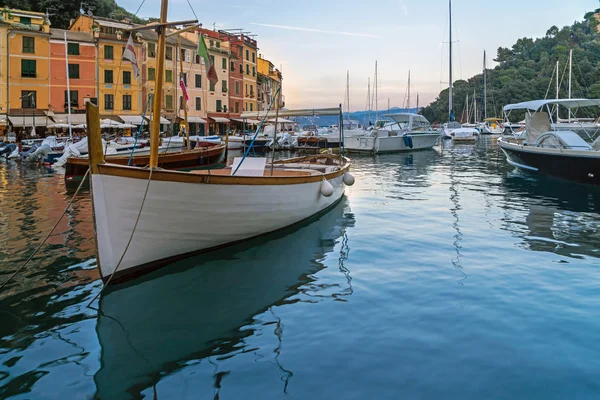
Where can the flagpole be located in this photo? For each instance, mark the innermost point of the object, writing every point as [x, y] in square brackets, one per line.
[184, 94]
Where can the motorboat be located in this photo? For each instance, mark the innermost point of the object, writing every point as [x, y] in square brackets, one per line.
[492, 126]
[543, 149]
[404, 132]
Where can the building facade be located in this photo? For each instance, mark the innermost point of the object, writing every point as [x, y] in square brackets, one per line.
[269, 81]
[236, 76]
[250, 74]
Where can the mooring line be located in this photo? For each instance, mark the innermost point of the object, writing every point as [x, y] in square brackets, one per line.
[49, 233]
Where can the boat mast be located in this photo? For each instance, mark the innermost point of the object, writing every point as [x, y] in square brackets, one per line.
[451, 117]
[484, 88]
[474, 107]
[184, 95]
[467, 108]
[570, 75]
[376, 94]
[348, 93]
[417, 102]
[408, 91]
[160, 70]
[68, 88]
[557, 90]
[388, 105]
[369, 100]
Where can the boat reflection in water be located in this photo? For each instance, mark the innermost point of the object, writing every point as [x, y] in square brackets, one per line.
[562, 216]
[152, 326]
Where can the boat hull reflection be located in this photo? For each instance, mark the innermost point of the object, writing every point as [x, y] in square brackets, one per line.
[195, 308]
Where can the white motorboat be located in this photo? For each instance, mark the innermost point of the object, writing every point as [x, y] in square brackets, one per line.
[545, 150]
[412, 132]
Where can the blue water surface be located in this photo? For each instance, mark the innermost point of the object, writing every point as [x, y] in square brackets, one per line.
[442, 274]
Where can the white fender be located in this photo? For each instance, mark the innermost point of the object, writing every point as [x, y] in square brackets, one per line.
[326, 188]
[348, 179]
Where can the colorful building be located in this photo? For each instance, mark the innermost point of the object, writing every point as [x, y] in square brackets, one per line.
[80, 51]
[26, 70]
[196, 83]
[236, 75]
[269, 81]
[117, 87]
[250, 73]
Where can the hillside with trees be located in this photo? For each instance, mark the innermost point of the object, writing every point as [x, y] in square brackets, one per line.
[525, 70]
[62, 11]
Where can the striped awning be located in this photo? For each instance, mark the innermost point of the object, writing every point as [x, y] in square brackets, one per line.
[163, 120]
[76, 119]
[19, 121]
[220, 120]
[196, 120]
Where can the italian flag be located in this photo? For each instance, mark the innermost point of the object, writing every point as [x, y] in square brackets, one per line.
[203, 52]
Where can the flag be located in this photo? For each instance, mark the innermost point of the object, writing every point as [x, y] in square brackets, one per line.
[183, 89]
[129, 54]
[203, 52]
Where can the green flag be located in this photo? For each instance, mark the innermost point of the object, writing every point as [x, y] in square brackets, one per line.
[203, 52]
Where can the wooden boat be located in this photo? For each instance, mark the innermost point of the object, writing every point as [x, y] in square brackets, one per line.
[205, 155]
[172, 321]
[543, 149]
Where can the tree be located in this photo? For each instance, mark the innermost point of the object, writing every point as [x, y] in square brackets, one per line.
[552, 32]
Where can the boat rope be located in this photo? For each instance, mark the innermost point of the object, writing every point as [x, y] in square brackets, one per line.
[128, 242]
[257, 131]
[49, 233]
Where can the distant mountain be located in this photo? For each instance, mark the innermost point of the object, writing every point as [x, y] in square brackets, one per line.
[363, 117]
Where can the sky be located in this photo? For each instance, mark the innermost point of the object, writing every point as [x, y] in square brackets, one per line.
[314, 42]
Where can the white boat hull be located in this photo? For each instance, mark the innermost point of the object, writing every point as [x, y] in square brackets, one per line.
[180, 218]
[390, 144]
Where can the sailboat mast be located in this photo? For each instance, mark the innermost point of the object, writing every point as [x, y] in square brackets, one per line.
[484, 87]
[68, 87]
[376, 95]
[348, 93]
[570, 75]
[369, 98]
[388, 105]
[557, 90]
[474, 107]
[417, 102]
[467, 109]
[408, 90]
[450, 61]
[160, 70]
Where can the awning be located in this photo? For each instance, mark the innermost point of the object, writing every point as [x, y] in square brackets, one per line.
[537, 104]
[196, 120]
[163, 120]
[281, 121]
[76, 119]
[246, 121]
[18, 121]
[133, 119]
[220, 120]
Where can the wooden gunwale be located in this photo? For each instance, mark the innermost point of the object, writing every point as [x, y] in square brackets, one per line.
[186, 177]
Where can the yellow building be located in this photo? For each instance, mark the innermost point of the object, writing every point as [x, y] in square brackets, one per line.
[269, 80]
[250, 73]
[25, 74]
[119, 89]
[3, 76]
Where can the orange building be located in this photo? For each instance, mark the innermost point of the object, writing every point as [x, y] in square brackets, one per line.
[81, 52]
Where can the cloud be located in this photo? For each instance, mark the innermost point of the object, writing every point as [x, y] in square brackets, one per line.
[403, 7]
[296, 28]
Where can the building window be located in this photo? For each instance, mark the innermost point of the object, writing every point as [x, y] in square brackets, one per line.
[218, 44]
[237, 87]
[251, 107]
[232, 66]
[224, 63]
[198, 104]
[254, 57]
[73, 49]
[247, 58]
[198, 82]
[253, 71]
[126, 102]
[212, 60]
[152, 50]
[219, 106]
[109, 101]
[25, 20]
[237, 107]
[241, 69]
[224, 86]
[169, 53]
[211, 43]
[197, 59]
[185, 79]
[74, 98]
[28, 98]
[73, 71]
[247, 69]
[169, 75]
[108, 52]
[212, 87]
[246, 88]
[251, 91]
[108, 76]
[28, 44]
[169, 102]
[151, 74]
[28, 69]
[181, 102]
[126, 77]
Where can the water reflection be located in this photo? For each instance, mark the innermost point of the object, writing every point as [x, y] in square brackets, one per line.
[195, 309]
[561, 216]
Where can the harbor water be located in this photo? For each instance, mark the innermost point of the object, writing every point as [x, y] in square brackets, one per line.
[441, 274]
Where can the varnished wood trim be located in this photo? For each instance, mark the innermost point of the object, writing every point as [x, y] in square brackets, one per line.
[95, 154]
[186, 177]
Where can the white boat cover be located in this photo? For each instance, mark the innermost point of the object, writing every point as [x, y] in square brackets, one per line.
[537, 124]
[252, 166]
[537, 104]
